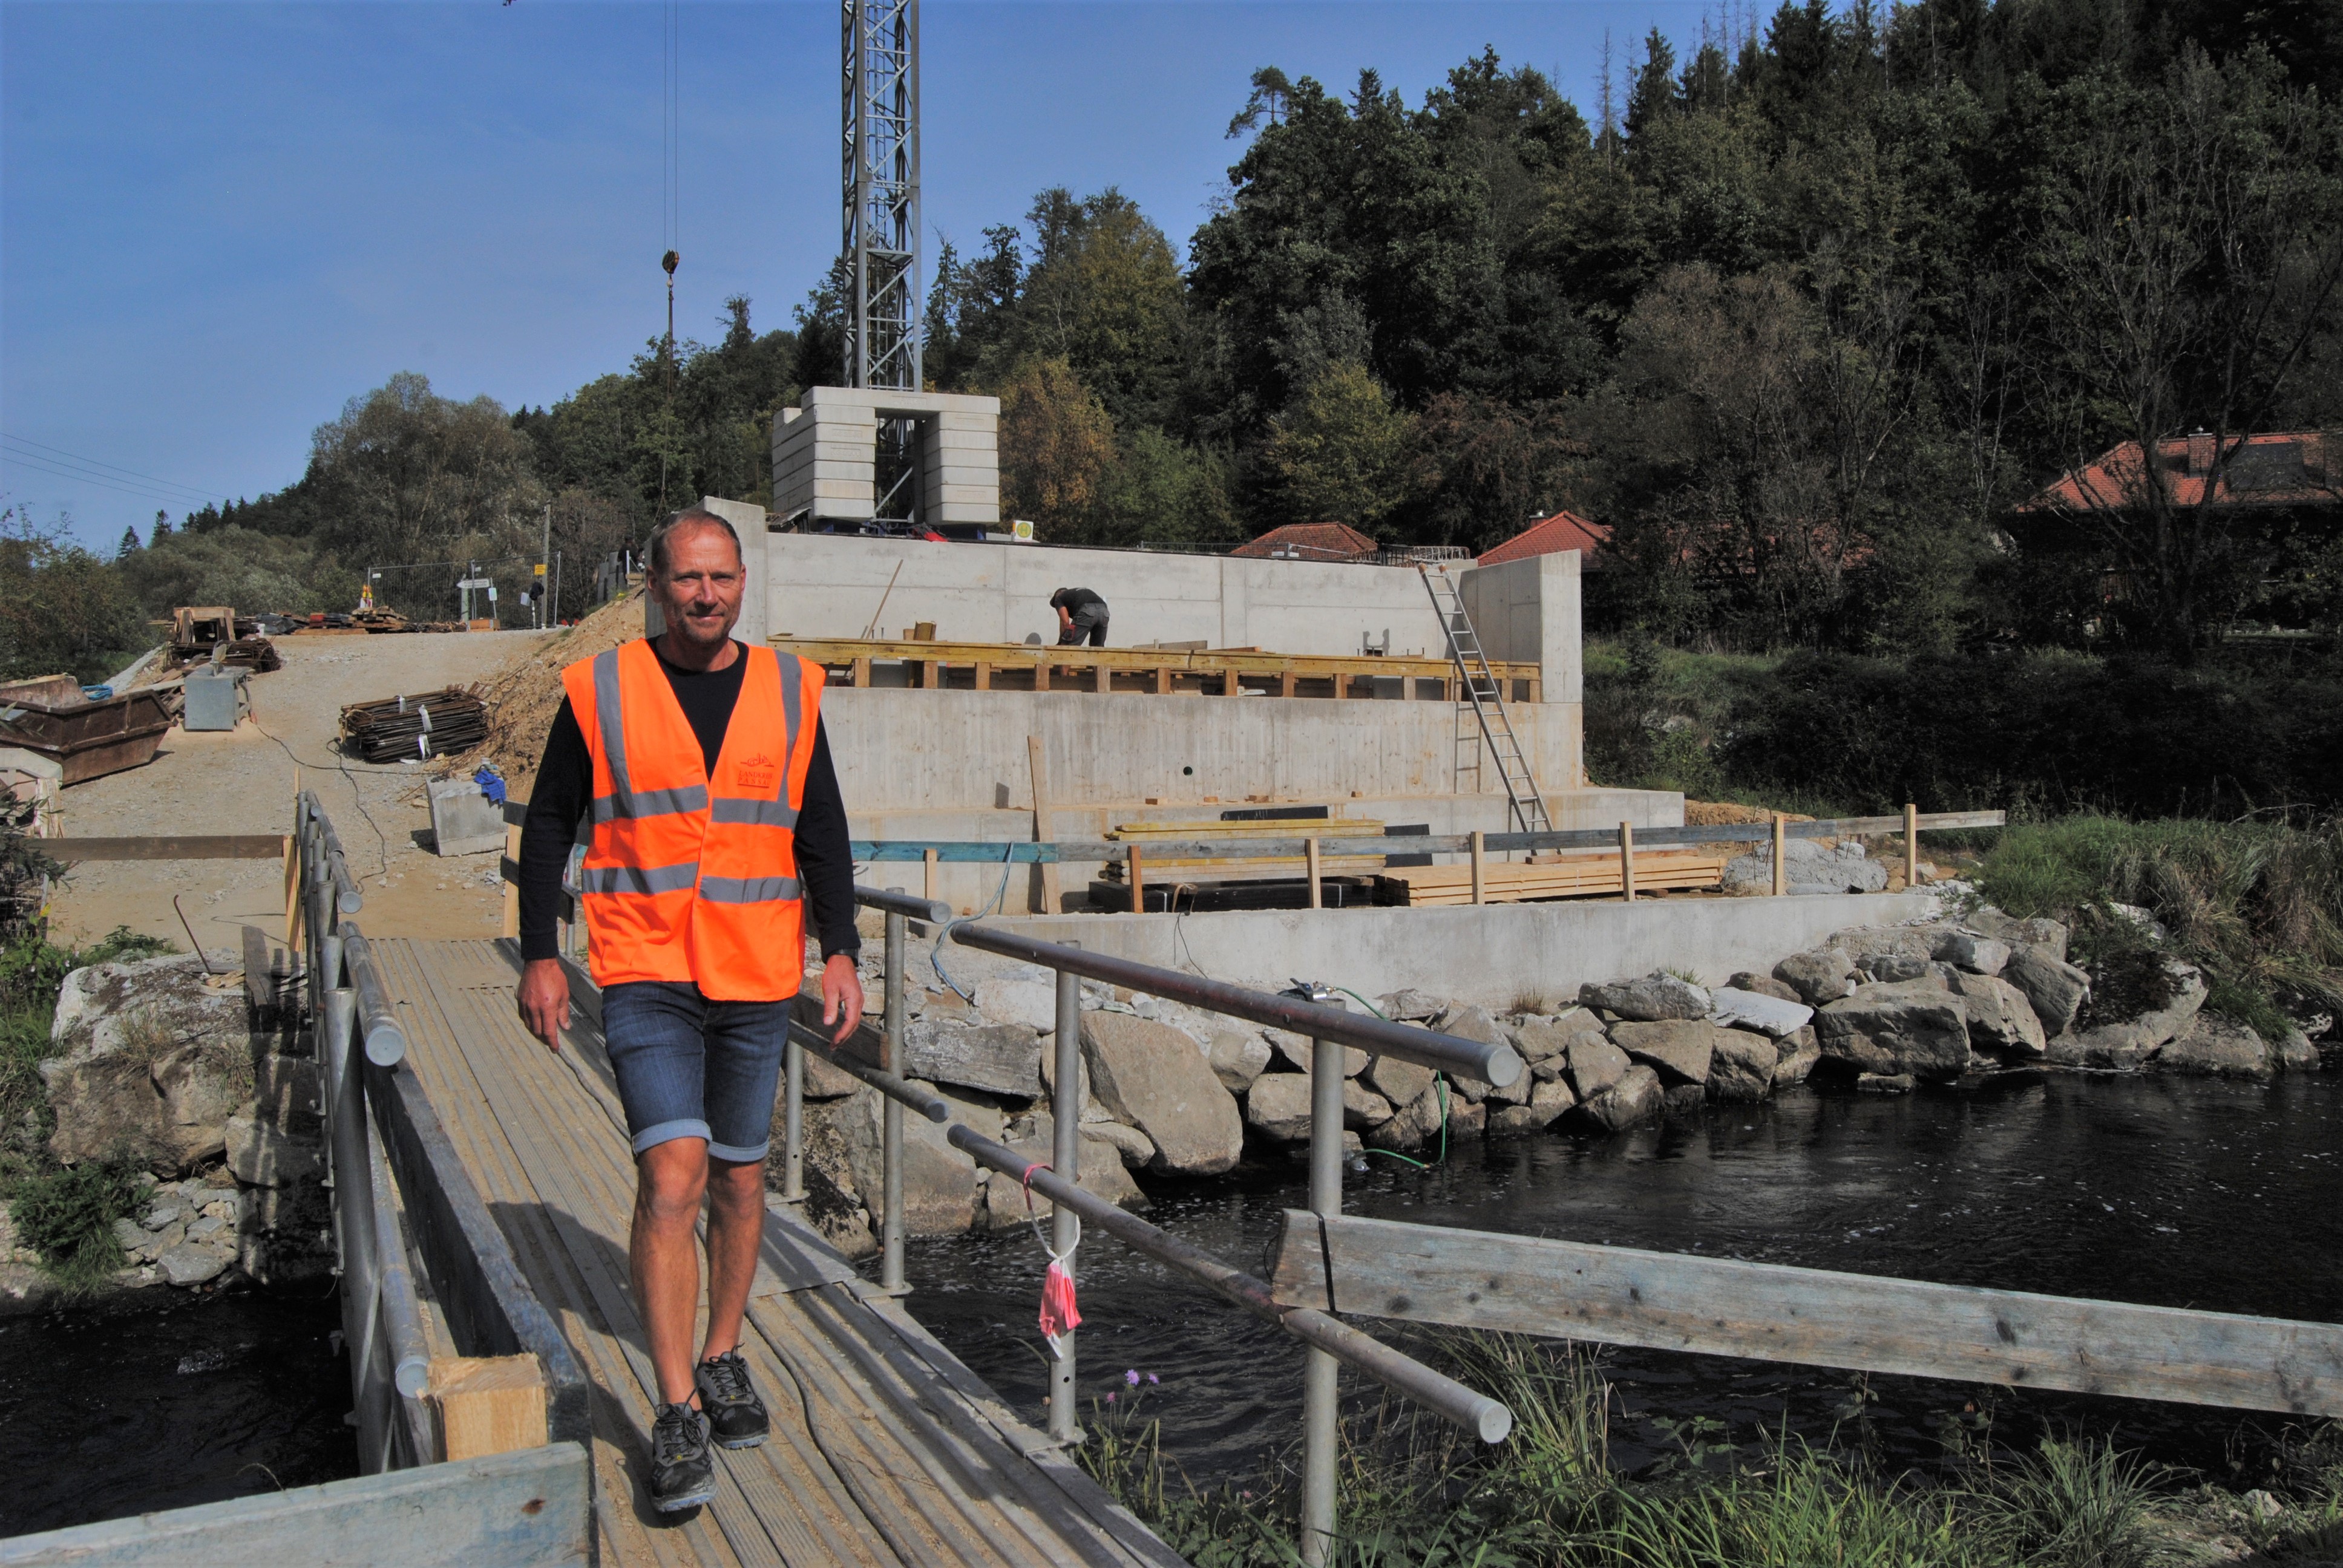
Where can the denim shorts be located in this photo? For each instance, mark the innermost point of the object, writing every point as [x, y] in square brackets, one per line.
[690, 1068]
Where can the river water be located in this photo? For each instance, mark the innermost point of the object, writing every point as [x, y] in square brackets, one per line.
[176, 1401]
[2173, 1193]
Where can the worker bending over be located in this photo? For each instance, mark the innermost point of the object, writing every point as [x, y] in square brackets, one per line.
[702, 766]
[1081, 618]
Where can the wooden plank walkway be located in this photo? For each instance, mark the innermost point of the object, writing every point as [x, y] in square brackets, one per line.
[886, 1448]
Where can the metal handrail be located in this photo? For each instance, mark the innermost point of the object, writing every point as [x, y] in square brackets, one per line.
[347, 897]
[934, 1107]
[1498, 1065]
[385, 1041]
[892, 901]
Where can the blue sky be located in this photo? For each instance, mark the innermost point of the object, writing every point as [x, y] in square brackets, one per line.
[219, 221]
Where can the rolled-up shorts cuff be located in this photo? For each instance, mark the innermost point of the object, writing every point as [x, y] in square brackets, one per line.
[737, 1155]
[668, 1131]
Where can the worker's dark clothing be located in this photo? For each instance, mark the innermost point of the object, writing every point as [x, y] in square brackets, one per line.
[1088, 614]
[565, 791]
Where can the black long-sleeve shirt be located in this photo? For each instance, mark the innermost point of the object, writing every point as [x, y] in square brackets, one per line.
[565, 791]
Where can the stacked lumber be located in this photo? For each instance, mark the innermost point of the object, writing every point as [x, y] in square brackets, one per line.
[1571, 877]
[1144, 836]
[255, 653]
[412, 728]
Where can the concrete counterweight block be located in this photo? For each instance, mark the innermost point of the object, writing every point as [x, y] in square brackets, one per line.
[463, 820]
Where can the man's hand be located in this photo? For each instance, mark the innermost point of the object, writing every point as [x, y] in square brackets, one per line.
[544, 998]
[842, 997]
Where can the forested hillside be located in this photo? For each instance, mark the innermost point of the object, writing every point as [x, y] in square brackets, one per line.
[1800, 316]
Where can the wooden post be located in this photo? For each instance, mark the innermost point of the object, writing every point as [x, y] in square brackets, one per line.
[1049, 898]
[1309, 858]
[1229, 685]
[1911, 845]
[1285, 682]
[1041, 675]
[863, 673]
[1480, 866]
[984, 675]
[1780, 855]
[1138, 883]
[1628, 859]
[1162, 680]
[489, 1405]
[929, 857]
[512, 889]
[1104, 674]
[931, 674]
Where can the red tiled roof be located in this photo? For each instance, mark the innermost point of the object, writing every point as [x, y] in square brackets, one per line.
[1309, 542]
[1562, 531]
[2287, 468]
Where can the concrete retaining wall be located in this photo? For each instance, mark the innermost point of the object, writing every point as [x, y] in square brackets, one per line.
[828, 585]
[907, 748]
[1488, 955]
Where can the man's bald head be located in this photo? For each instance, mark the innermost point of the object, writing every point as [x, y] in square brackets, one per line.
[684, 524]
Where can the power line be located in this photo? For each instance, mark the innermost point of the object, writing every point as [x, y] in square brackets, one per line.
[113, 467]
[19, 459]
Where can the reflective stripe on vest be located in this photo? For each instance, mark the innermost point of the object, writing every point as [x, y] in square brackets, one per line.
[748, 890]
[637, 879]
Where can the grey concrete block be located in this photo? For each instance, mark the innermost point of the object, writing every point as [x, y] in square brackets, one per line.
[463, 820]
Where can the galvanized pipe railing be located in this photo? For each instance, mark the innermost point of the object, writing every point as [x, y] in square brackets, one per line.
[1331, 1030]
[350, 1021]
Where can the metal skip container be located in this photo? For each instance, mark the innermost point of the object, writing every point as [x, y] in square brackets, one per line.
[51, 717]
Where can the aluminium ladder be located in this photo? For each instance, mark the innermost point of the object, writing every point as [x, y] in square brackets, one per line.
[1481, 690]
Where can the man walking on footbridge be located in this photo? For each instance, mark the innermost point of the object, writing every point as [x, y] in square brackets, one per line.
[716, 819]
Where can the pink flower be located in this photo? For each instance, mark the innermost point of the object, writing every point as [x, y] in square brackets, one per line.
[1131, 1380]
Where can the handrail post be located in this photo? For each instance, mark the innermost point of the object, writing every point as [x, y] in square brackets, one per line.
[354, 1228]
[1780, 855]
[1065, 1155]
[1321, 1409]
[1627, 860]
[890, 1120]
[1911, 845]
[792, 1121]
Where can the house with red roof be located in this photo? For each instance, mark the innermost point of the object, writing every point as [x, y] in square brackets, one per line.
[2290, 468]
[1309, 542]
[1550, 536]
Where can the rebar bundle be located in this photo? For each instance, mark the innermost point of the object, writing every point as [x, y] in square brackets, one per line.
[409, 729]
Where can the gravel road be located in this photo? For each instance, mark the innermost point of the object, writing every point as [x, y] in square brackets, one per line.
[243, 783]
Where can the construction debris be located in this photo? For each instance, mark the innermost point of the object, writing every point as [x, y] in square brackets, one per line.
[415, 728]
[253, 653]
[52, 717]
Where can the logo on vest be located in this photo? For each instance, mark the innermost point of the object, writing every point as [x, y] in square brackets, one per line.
[756, 772]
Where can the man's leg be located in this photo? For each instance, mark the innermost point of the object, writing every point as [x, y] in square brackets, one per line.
[735, 1228]
[663, 1257]
[1098, 633]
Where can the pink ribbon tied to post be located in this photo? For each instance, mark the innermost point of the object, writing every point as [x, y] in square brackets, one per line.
[1060, 1316]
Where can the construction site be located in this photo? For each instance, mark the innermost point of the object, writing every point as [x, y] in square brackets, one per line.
[1291, 866]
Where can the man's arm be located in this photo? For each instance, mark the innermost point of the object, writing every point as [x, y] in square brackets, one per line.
[826, 870]
[565, 785]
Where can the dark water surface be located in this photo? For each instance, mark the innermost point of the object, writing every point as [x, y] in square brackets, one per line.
[2224, 1197]
[110, 1412]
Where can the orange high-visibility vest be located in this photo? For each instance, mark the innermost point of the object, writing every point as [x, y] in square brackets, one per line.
[689, 877]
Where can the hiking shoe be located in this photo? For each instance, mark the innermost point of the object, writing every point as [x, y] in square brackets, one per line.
[682, 1474]
[735, 1413]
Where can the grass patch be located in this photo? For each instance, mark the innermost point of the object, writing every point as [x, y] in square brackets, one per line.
[68, 1216]
[2258, 907]
[1415, 1492]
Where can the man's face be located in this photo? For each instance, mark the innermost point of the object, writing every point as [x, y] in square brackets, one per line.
[700, 591]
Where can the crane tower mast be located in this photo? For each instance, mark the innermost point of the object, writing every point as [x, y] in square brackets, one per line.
[881, 112]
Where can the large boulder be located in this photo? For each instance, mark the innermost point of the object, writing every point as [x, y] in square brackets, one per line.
[1157, 1079]
[1769, 1015]
[263, 1154]
[1002, 1059]
[1238, 1057]
[1396, 1080]
[2055, 988]
[1656, 996]
[150, 1061]
[1542, 1039]
[1277, 1106]
[1099, 1170]
[1799, 1054]
[2294, 1053]
[1418, 1122]
[1030, 1002]
[1808, 866]
[1412, 1006]
[1968, 951]
[939, 1180]
[1909, 1027]
[2127, 1042]
[1741, 1066]
[1296, 1049]
[1595, 1063]
[1763, 985]
[2216, 1047]
[1998, 1013]
[1635, 1097]
[1820, 976]
[1548, 1101]
[1679, 1048]
[2036, 932]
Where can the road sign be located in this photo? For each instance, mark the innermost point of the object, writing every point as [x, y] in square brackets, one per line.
[477, 583]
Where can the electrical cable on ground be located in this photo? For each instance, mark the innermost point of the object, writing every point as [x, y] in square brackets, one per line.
[1439, 1080]
[357, 797]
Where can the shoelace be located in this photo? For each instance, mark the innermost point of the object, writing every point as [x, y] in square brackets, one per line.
[676, 1435]
[727, 1376]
